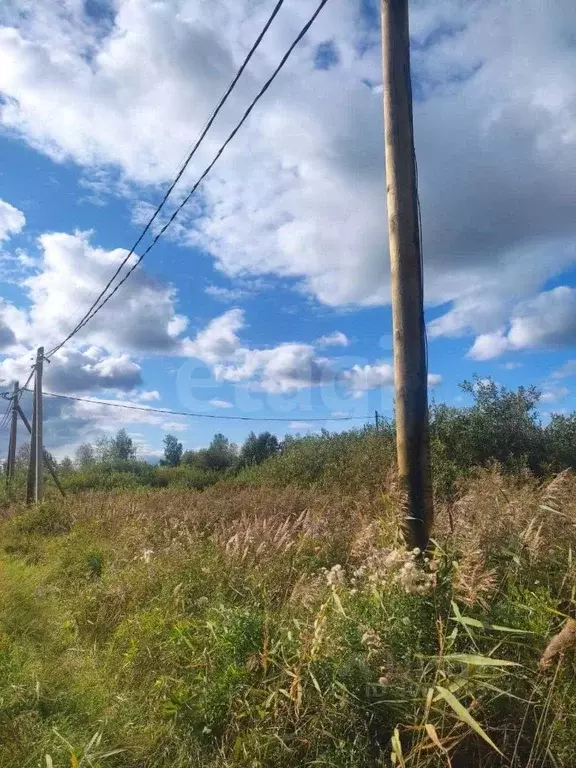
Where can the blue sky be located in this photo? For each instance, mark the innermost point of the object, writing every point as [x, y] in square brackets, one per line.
[269, 298]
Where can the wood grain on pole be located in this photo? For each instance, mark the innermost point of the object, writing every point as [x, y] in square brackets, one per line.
[410, 364]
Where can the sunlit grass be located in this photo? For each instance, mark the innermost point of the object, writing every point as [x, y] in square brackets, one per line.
[253, 626]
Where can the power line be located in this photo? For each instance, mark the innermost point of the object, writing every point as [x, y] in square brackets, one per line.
[5, 419]
[180, 173]
[96, 306]
[167, 412]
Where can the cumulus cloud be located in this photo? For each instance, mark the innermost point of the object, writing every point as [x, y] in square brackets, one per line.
[566, 370]
[9, 316]
[547, 321]
[361, 378]
[434, 379]
[12, 220]
[335, 339]
[553, 393]
[7, 338]
[60, 285]
[74, 370]
[284, 368]
[140, 317]
[298, 194]
[287, 367]
[219, 340]
[69, 423]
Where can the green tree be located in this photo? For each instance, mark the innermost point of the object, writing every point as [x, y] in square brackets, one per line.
[258, 448]
[23, 456]
[122, 447]
[66, 466]
[220, 455]
[560, 435]
[172, 451]
[501, 425]
[111, 450]
[85, 455]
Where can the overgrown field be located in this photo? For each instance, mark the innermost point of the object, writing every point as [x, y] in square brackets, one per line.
[256, 626]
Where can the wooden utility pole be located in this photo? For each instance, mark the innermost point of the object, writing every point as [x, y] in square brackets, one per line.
[49, 466]
[410, 363]
[13, 436]
[35, 468]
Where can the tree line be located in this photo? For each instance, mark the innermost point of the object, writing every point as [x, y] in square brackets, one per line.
[221, 455]
[500, 425]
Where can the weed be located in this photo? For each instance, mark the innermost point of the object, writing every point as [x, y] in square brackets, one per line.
[246, 626]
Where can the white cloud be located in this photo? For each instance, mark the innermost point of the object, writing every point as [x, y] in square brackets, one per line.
[566, 370]
[140, 317]
[69, 423]
[218, 341]
[298, 194]
[12, 323]
[11, 220]
[335, 339]
[226, 294]
[489, 345]
[547, 321]
[552, 394]
[361, 378]
[220, 403]
[73, 370]
[288, 367]
[284, 368]
[148, 396]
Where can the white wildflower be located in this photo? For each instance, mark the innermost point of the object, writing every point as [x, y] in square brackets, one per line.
[335, 576]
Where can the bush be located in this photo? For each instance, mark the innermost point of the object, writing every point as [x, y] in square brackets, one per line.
[186, 476]
[352, 460]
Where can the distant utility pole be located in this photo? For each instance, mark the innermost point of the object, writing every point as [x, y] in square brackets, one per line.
[35, 468]
[410, 363]
[47, 460]
[10, 466]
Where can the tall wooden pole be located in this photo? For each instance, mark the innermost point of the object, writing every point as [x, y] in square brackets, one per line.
[410, 363]
[31, 480]
[47, 459]
[13, 435]
[35, 468]
[38, 412]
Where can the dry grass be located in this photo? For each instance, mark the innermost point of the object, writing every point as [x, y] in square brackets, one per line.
[253, 626]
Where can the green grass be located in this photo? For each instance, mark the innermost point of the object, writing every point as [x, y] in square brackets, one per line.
[168, 628]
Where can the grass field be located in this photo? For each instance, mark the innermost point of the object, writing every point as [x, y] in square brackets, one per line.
[261, 626]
